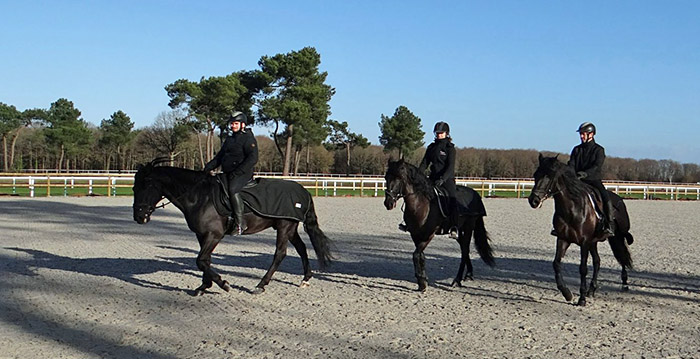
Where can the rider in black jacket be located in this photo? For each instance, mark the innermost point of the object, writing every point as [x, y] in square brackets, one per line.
[440, 156]
[587, 160]
[237, 158]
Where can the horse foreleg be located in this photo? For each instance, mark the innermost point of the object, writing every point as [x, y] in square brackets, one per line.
[301, 250]
[561, 251]
[596, 267]
[419, 265]
[207, 244]
[283, 235]
[583, 271]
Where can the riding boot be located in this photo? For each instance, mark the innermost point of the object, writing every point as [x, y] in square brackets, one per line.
[454, 218]
[609, 228]
[238, 208]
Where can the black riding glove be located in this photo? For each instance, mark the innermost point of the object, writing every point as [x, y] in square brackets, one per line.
[581, 174]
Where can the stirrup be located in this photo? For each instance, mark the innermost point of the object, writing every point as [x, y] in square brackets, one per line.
[554, 232]
[454, 234]
[403, 227]
[238, 230]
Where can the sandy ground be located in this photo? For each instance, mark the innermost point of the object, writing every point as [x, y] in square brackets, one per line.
[80, 279]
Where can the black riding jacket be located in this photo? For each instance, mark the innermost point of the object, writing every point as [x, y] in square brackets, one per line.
[238, 154]
[440, 155]
[588, 157]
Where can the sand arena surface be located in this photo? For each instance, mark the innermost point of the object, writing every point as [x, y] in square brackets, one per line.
[80, 279]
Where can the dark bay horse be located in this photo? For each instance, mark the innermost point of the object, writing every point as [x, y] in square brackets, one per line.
[424, 220]
[191, 192]
[575, 221]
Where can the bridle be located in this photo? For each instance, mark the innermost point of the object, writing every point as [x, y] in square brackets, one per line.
[551, 190]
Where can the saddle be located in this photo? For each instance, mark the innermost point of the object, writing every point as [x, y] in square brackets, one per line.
[267, 197]
[469, 201]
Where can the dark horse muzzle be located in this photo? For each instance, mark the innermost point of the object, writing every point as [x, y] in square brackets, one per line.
[390, 199]
[142, 213]
[535, 200]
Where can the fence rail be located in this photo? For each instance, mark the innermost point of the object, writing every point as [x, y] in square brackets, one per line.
[120, 184]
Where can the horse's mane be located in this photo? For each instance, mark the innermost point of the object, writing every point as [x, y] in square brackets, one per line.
[576, 187]
[180, 179]
[420, 182]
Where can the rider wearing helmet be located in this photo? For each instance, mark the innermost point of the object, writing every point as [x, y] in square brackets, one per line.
[440, 156]
[587, 161]
[237, 158]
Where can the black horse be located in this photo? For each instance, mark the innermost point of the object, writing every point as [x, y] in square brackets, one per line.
[424, 219]
[576, 221]
[191, 192]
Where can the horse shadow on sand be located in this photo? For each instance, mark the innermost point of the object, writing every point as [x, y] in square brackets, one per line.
[384, 261]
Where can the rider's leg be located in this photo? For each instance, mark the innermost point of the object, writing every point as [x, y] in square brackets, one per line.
[235, 184]
[453, 216]
[609, 223]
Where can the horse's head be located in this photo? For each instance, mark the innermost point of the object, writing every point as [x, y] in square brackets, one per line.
[147, 193]
[396, 178]
[545, 180]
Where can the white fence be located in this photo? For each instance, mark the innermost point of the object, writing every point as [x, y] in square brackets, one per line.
[120, 184]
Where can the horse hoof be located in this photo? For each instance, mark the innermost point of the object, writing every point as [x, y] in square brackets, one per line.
[198, 292]
[567, 295]
[581, 302]
[225, 286]
[456, 284]
[625, 288]
[469, 276]
[304, 284]
[258, 290]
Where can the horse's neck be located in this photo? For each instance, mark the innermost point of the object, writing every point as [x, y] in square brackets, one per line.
[566, 204]
[416, 203]
[178, 183]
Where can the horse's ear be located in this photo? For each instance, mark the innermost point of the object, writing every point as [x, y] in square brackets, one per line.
[540, 158]
[556, 157]
[139, 167]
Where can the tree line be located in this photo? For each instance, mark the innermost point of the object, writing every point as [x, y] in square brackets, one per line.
[287, 92]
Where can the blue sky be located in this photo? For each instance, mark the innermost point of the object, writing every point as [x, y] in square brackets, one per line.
[503, 74]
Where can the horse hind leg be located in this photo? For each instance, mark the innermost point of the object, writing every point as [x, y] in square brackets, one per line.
[464, 241]
[301, 250]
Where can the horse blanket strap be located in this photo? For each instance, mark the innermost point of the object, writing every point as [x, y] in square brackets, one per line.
[267, 197]
[468, 201]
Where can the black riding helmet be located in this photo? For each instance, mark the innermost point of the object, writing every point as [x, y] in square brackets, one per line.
[238, 116]
[442, 127]
[586, 127]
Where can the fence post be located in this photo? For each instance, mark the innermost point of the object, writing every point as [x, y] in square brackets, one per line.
[31, 186]
[48, 186]
[90, 187]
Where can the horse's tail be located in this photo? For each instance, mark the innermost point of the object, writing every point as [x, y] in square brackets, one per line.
[620, 249]
[481, 240]
[321, 243]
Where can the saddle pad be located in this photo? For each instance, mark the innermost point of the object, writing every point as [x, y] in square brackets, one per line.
[269, 197]
[468, 201]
